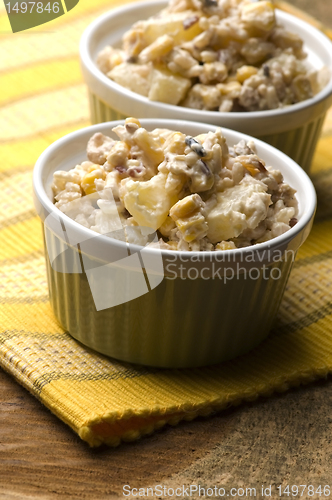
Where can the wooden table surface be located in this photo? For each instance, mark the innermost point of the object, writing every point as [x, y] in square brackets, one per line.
[285, 439]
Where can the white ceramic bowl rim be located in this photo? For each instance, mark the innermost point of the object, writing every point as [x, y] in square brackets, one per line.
[89, 62]
[40, 192]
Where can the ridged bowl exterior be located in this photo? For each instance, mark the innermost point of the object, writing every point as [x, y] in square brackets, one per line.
[299, 143]
[223, 320]
[176, 321]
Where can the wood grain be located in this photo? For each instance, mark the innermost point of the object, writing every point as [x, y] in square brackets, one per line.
[286, 438]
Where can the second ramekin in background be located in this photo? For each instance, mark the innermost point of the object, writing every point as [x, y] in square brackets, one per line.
[201, 307]
[294, 130]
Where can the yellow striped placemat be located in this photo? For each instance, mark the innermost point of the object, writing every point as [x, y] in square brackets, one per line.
[42, 97]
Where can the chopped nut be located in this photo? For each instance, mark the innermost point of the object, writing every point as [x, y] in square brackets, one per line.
[190, 21]
[195, 146]
[136, 172]
[122, 170]
[252, 163]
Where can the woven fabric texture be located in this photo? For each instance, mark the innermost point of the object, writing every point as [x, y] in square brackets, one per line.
[42, 98]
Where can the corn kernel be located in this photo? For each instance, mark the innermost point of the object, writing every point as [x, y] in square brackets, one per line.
[231, 89]
[188, 217]
[193, 228]
[88, 181]
[173, 245]
[149, 145]
[175, 143]
[132, 120]
[156, 49]
[252, 163]
[186, 207]
[225, 245]
[245, 72]
[259, 15]
[93, 167]
[167, 226]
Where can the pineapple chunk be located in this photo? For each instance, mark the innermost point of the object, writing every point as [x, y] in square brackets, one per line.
[148, 202]
[166, 87]
[238, 208]
[132, 76]
[171, 24]
[259, 15]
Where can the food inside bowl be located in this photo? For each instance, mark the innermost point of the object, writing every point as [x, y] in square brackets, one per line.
[226, 55]
[196, 192]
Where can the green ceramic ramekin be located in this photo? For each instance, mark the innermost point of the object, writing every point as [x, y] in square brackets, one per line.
[294, 129]
[199, 308]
